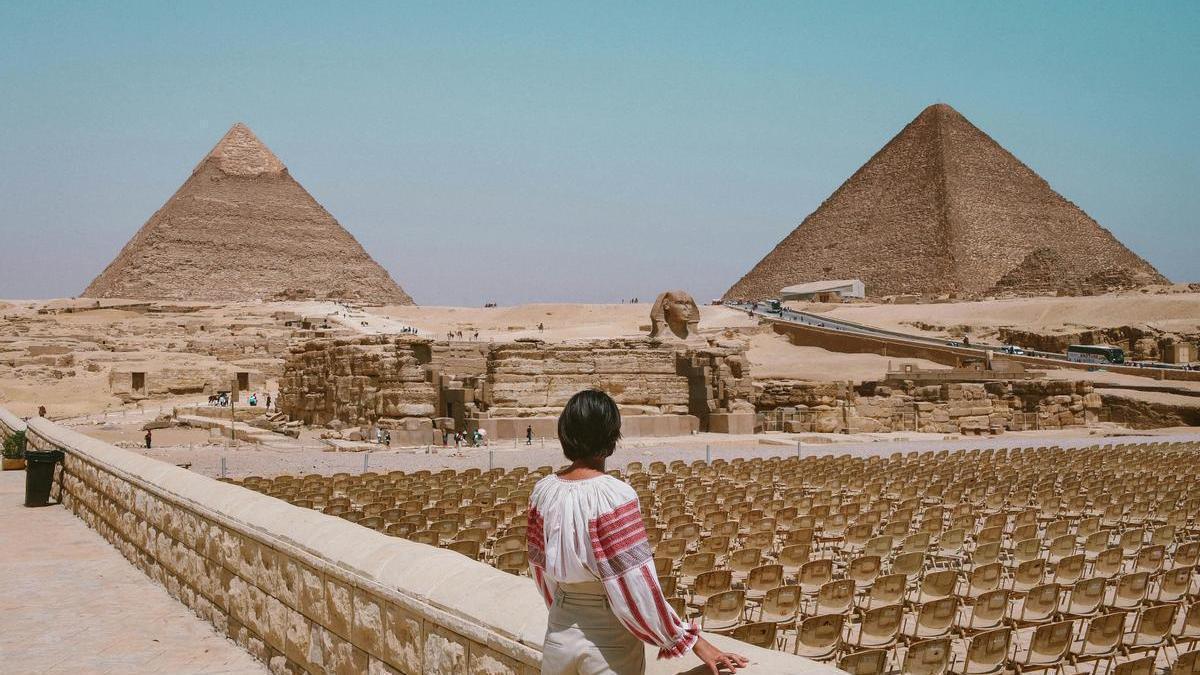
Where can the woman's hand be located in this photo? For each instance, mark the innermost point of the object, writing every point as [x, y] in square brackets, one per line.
[717, 660]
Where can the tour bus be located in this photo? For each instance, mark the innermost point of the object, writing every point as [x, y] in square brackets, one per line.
[1095, 354]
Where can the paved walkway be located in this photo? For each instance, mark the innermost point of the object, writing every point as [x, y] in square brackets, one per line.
[70, 603]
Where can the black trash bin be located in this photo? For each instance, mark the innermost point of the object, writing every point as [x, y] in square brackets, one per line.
[39, 475]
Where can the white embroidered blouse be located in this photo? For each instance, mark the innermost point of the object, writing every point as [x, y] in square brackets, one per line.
[592, 530]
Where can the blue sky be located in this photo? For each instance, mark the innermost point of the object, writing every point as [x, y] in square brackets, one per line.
[517, 152]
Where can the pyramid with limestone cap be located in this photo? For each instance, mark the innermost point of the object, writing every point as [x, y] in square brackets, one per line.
[943, 208]
[241, 228]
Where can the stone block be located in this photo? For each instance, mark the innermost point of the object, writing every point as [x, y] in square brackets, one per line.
[443, 652]
[276, 621]
[827, 422]
[300, 644]
[403, 645]
[339, 607]
[308, 589]
[377, 667]
[731, 423]
[367, 632]
[340, 656]
[484, 661]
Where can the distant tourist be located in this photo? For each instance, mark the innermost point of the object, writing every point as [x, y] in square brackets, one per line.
[529, 435]
[41, 411]
[541, 326]
[268, 400]
[596, 571]
[253, 400]
[477, 336]
[147, 439]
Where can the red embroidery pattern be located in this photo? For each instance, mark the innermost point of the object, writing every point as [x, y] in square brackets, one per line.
[535, 538]
[619, 540]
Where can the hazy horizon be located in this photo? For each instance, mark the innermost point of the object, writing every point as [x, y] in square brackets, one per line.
[550, 152]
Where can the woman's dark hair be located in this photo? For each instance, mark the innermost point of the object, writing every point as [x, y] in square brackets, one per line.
[589, 426]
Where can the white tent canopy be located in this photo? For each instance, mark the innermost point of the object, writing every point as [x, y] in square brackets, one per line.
[846, 288]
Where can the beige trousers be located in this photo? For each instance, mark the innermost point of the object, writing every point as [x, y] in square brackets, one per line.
[583, 637]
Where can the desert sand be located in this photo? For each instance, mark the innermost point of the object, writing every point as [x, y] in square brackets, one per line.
[59, 353]
[560, 321]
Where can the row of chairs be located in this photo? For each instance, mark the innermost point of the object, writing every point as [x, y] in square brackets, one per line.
[746, 544]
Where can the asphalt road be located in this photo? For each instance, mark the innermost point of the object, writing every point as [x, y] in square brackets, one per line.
[806, 318]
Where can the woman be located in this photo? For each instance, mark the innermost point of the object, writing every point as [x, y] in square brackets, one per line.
[592, 562]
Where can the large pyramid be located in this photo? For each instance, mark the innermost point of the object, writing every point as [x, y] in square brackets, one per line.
[241, 228]
[942, 207]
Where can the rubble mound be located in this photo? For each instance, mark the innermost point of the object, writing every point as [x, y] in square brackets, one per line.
[1040, 273]
[241, 228]
[1046, 272]
[942, 208]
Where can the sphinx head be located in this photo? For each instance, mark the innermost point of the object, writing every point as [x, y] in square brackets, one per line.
[674, 312]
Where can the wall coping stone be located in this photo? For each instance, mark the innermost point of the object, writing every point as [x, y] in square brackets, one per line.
[11, 422]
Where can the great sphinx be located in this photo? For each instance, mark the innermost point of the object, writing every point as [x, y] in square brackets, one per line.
[675, 312]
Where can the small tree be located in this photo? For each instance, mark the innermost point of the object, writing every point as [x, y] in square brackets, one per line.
[14, 446]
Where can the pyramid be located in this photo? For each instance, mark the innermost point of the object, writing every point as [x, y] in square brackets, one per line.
[241, 228]
[943, 208]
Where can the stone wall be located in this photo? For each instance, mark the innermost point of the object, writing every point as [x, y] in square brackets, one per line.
[1139, 414]
[1138, 343]
[160, 380]
[308, 592]
[359, 381]
[9, 424]
[772, 394]
[538, 377]
[990, 407]
[393, 381]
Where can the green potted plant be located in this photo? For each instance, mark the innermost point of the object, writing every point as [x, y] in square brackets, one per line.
[14, 452]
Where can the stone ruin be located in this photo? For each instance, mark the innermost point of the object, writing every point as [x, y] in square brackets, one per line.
[988, 369]
[952, 407]
[1144, 342]
[421, 388]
